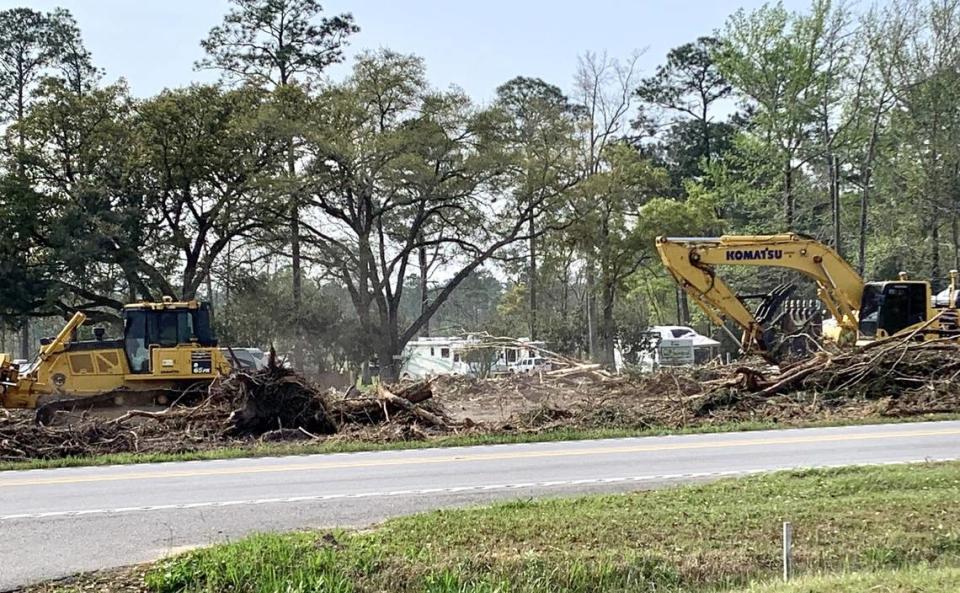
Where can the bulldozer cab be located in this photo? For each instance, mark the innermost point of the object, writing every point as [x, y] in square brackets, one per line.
[164, 325]
[888, 307]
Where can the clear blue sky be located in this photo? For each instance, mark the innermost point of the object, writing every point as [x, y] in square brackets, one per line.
[474, 44]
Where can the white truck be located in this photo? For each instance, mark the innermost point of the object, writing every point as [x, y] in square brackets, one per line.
[530, 365]
[676, 345]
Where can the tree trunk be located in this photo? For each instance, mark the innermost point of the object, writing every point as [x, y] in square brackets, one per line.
[591, 312]
[788, 213]
[532, 280]
[833, 178]
[934, 254]
[389, 346]
[295, 267]
[387, 350]
[21, 133]
[424, 292]
[683, 307]
[954, 222]
[955, 235]
[25, 346]
[209, 281]
[225, 307]
[366, 377]
[867, 173]
[862, 239]
[705, 132]
[564, 293]
[608, 329]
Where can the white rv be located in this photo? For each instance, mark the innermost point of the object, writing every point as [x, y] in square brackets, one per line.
[428, 357]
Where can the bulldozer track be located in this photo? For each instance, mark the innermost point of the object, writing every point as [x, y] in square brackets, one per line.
[49, 406]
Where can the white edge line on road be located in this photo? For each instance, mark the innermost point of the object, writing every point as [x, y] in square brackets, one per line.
[452, 490]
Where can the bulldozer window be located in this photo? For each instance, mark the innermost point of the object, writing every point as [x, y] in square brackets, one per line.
[135, 342]
[202, 326]
[169, 328]
[158, 328]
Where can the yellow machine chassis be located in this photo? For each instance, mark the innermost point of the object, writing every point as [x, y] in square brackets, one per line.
[692, 262]
[64, 371]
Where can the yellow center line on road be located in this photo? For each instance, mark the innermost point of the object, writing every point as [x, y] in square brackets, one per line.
[475, 457]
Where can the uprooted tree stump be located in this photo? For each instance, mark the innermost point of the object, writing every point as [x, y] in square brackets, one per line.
[277, 399]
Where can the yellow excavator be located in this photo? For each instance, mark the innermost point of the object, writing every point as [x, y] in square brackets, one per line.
[167, 348]
[861, 311]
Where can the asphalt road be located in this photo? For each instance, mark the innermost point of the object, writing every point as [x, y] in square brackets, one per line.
[59, 522]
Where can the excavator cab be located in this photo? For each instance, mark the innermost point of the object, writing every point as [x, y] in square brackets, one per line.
[146, 326]
[889, 307]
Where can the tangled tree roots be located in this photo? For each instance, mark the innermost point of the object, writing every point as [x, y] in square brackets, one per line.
[274, 404]
[276, 399]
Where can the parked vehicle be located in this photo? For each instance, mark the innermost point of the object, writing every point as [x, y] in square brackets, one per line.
[428, 357]
[531, 365]
[433, 356]
[248, 358]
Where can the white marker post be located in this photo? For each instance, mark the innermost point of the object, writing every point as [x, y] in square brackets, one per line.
[787, 550]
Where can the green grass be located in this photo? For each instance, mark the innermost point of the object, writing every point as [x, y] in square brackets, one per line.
[338, 446]
[919, 579]
[709, 538]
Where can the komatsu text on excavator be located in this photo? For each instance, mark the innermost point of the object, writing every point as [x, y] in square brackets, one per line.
[166, 348]
[861, 311]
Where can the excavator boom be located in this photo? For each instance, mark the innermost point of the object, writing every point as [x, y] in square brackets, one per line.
[692, 262]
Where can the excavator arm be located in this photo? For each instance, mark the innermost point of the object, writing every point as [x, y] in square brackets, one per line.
[692, 261]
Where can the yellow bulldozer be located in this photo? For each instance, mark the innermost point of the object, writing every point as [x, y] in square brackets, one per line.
[167, 349]
[860, 311]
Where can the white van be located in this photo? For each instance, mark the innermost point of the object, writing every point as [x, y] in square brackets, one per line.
[530, 365]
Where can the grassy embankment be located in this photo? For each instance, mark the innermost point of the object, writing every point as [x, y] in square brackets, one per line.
[335, 445]
[894, 526]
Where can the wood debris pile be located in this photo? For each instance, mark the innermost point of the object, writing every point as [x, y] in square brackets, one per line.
[891, 377]
[271, 405]
[886, 379]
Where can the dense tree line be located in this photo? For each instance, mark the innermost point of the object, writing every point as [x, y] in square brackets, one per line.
[339, 219]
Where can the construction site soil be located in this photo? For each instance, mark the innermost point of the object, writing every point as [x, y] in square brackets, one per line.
[900, 378]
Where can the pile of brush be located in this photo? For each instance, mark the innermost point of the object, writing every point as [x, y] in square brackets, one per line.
[272, 404]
